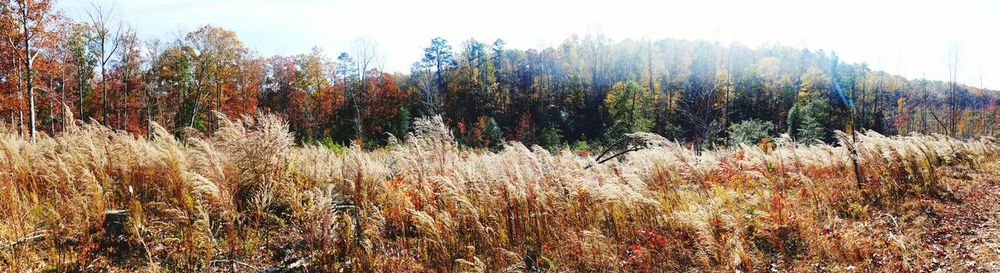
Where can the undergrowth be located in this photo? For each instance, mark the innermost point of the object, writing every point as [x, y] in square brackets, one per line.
[247, 199]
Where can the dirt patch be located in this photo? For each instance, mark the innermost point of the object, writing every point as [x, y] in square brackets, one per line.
[963, 234]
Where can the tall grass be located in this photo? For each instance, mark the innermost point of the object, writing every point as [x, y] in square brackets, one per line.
[247, 198]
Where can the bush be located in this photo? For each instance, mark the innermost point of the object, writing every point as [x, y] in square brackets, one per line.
[550, 136]
[401, 123]
[491, 134]
[580, 145]
[749, 132]
[333, 146]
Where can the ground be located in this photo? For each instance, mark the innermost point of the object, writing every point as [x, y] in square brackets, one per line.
[963, 231]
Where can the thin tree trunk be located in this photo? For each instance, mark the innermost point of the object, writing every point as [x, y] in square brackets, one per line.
[104, 96]
[27, 59]
[197, 107]
[125, 80]
[62, 107]
[198, 98]
[358, 122]
[79, 84]
[218, 106]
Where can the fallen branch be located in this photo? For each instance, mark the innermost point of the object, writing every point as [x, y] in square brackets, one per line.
[31, 237]
[629, 143]
[289, 266]
[947, 131]
[250, 266]
[620, 154]
[149, 256]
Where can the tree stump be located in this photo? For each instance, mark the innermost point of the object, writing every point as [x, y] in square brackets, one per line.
[115, 223]
[116, 238]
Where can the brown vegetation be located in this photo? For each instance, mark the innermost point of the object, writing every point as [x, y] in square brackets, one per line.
[247, 199]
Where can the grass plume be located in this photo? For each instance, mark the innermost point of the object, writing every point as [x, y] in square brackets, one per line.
[247, 198]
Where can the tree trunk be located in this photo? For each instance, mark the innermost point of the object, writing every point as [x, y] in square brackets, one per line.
[125, 80]
[358, 122]
[218, 106]
[79, 84]
[104, 93]
[198, 98]
[27, 59]
[197, 106]
[62, 101]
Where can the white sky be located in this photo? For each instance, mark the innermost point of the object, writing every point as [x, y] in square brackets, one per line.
[911, 38]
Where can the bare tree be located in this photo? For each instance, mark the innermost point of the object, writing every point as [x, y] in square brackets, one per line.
[701, 111]
[701, 107]
[130, 61]
[431, 99]
[365, 55]
[953, 96]
[107, 37]
[152, 87]
[429, 74]
[364, 52]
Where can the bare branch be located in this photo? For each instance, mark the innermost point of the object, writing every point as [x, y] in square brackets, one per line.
[31, 237]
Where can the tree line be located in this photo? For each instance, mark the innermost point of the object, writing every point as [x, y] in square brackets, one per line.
[589, 88]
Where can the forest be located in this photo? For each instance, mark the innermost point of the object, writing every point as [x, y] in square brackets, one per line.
[587, 89]
[199, 154]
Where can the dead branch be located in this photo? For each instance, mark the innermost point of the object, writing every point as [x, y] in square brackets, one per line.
[626, 144]
[31, 237]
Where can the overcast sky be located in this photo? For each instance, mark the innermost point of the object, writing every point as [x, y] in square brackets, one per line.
[911, 38]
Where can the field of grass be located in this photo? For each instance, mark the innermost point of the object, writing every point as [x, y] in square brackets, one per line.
[247, 199]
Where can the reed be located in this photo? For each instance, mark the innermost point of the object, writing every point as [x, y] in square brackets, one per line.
[247, 198]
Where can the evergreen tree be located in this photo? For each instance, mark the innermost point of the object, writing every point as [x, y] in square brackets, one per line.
[749, 132]
[808, 118]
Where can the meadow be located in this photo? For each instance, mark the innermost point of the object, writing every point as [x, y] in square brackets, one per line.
[248, 199]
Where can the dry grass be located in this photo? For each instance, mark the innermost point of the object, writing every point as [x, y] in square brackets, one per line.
[247, 198]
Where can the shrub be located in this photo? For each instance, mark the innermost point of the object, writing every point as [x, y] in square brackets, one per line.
[749, 132]
[549, 136]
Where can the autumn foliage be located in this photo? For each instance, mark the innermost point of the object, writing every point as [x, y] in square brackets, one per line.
[199, 154]
[587, 89]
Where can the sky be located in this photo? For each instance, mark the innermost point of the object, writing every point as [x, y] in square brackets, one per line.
[911, 38]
